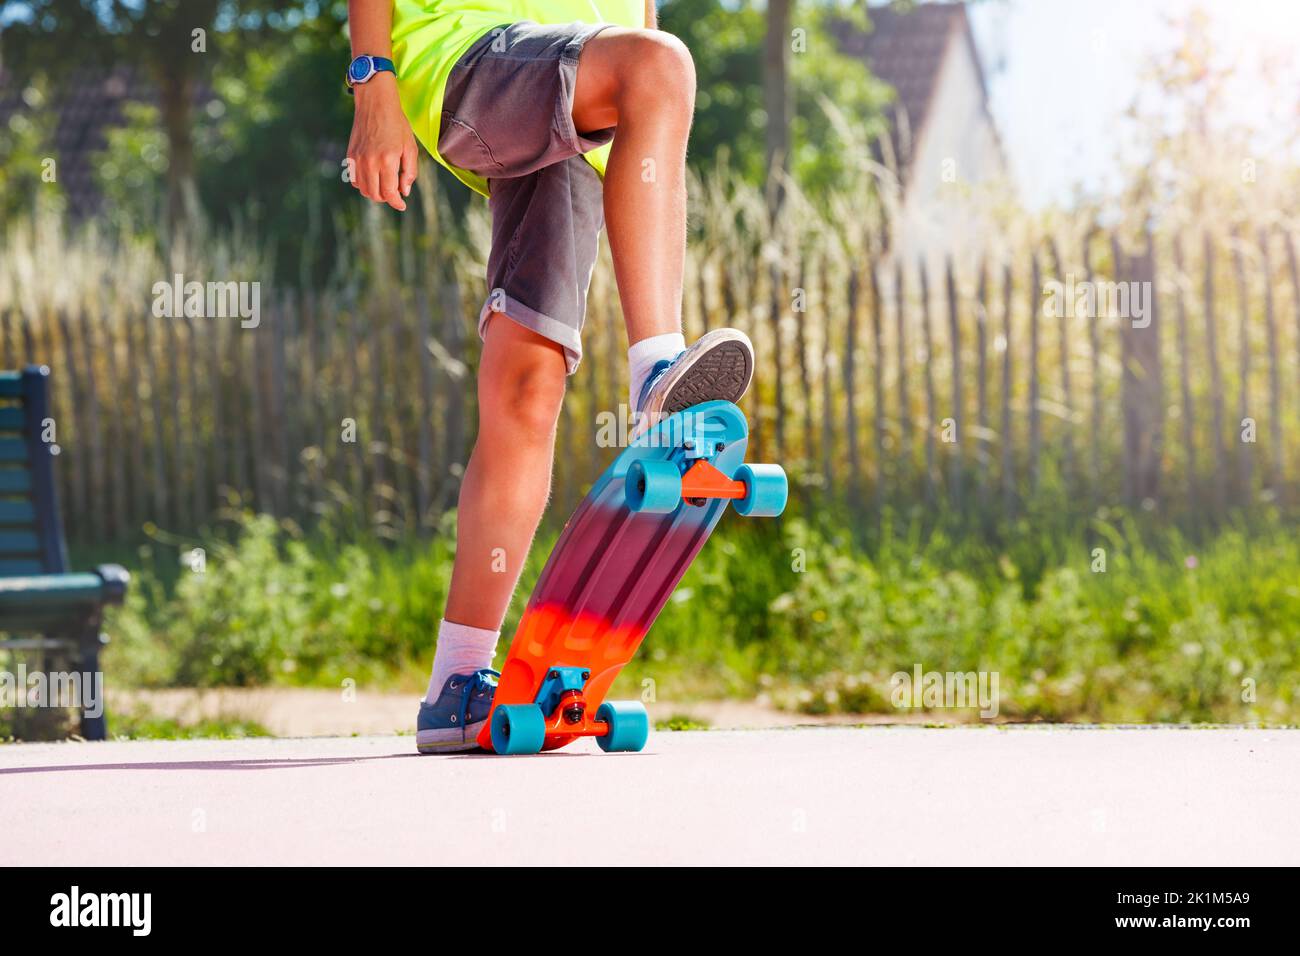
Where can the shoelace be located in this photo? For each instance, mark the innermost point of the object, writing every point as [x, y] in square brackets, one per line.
[480, 678]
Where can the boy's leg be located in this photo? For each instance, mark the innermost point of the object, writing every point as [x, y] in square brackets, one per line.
[642, 82]
[506, 484]
[503, 494]
[508, 479]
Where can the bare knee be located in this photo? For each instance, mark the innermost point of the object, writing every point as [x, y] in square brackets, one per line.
[523, 400]
[659, 71]
[625, 74]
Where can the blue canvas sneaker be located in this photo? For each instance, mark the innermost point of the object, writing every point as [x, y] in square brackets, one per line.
[453, 721]
[719, 365]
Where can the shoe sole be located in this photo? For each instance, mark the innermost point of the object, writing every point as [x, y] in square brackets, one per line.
[722, 371]
[449, 740]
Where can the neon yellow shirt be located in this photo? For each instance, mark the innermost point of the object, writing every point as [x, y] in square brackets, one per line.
[429, 36]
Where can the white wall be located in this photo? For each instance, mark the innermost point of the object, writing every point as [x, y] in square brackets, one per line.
[958, 170]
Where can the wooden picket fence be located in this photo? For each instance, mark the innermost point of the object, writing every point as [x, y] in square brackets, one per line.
[880, 384]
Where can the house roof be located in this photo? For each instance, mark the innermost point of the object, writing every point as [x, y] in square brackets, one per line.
[87, 106]
[906, 48]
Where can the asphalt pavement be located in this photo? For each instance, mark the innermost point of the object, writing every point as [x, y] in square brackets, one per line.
[878, 795]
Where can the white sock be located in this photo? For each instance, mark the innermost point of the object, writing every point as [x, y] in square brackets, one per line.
[461, 650]
[641, 358]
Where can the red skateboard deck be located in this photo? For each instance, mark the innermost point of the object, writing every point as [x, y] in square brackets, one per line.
[613, 568]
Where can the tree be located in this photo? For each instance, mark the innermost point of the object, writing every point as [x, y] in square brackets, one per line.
[733, 115]
[285, 117]
[168, 39]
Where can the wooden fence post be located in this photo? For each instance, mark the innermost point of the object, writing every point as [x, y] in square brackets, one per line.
[457, 407]
[1067, 395]
[807, 452]
[982, 457]
[776, 306]
[878, 385]
[182, 515]
[201, 476]
[93, 442]
[1216, 377]
[119, 425]
[955, 462]
[1275, 479]
[900, 336]
[1008, 460]
[424, 433]
[1094, 358]
[1245, 450]
[135, 411]
[286, 412]
[702, 283]
[70, 425]
[1185, 380]
[1293, 268]
[850, 383]
[7, 359]
[1142, 386]
[927, 345]
[1035, 413]
[827, 372]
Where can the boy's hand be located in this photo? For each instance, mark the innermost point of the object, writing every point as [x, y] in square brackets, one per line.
[382, 152]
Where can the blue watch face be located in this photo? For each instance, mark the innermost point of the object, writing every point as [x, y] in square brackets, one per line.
[360, 68]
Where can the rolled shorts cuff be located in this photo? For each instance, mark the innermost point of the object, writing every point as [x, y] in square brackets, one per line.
[563, 335]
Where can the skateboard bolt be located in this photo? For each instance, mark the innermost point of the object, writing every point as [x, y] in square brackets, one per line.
[554, 675]
[572, 707]
[586, 675]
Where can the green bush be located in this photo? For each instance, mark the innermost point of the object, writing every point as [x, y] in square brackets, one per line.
[1166, 632]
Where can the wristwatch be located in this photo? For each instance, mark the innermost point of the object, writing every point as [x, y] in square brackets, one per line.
[364, 67]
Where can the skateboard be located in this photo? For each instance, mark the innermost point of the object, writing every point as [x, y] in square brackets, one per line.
[614, 567]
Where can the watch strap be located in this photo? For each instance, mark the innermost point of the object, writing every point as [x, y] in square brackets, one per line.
[378, 64]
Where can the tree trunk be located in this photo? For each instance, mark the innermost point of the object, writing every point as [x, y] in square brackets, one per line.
[776, 98]
[176, 98]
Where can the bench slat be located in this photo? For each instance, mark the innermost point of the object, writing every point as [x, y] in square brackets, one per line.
[17, 513]
[50, 589]
[19, 543]
[15, 481]
[13, 450]
[11, 384]
[11, 418]
[10, 569]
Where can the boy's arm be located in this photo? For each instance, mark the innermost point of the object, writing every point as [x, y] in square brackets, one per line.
[382, 152]
[651, 15]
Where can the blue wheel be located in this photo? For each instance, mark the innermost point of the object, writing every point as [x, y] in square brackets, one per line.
[518, 729]
[653, 486]
[629, 725]
[766, 490]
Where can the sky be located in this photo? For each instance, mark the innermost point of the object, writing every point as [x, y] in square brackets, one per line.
[1062, 72]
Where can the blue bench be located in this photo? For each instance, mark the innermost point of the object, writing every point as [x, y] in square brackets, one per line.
[43, 606]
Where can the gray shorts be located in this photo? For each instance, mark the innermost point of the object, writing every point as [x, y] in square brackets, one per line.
[507, 115]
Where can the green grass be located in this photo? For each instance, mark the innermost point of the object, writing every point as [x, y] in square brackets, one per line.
[1170, 631]
[682, 722]
[143, 724]
[137, 723]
